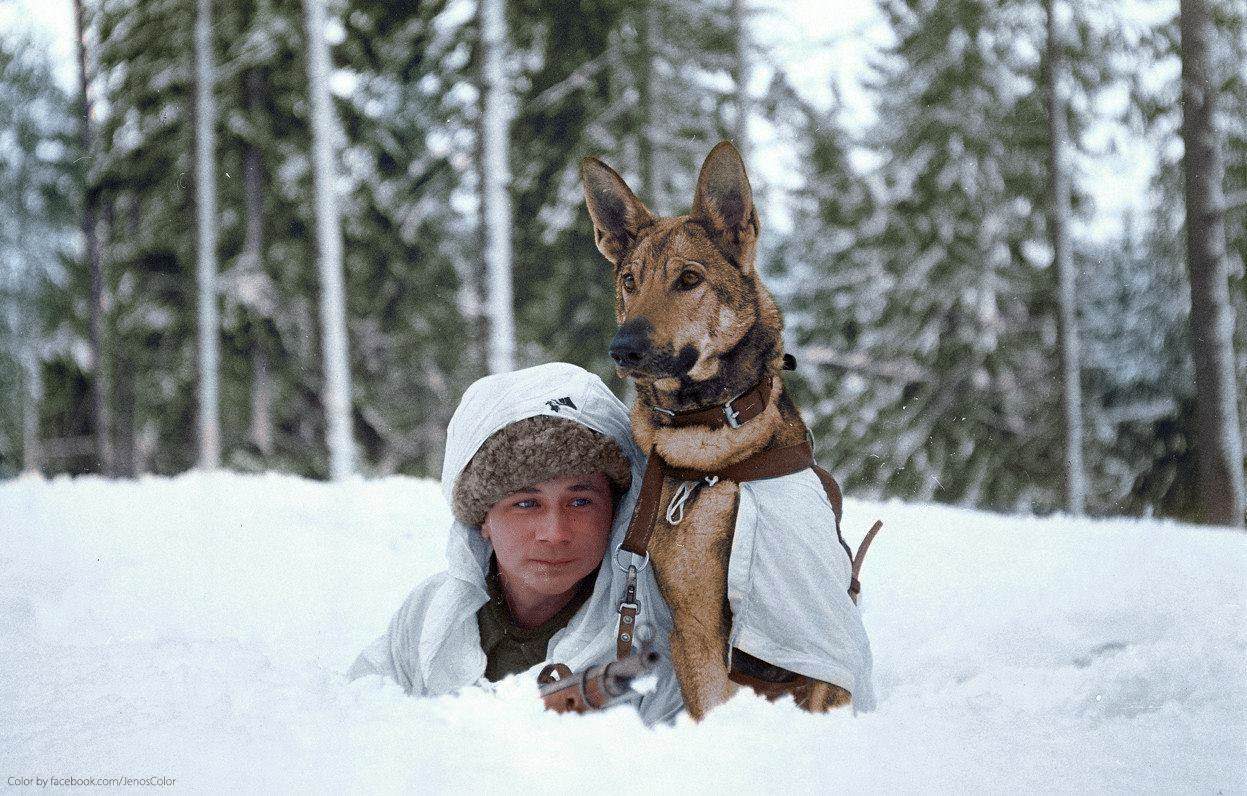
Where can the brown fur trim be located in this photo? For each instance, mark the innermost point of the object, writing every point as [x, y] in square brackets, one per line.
[530, 451]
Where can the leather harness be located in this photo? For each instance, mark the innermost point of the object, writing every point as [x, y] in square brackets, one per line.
[767, 463]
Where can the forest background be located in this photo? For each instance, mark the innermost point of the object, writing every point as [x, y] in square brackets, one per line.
[973, 323]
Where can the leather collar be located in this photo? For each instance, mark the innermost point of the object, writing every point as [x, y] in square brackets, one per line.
[733, 414]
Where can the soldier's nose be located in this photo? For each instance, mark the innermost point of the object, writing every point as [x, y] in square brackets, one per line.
[560, 529]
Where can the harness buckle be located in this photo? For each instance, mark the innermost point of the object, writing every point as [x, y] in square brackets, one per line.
[644, 561]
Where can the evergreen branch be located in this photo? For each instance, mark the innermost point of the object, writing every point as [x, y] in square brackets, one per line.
[1140, 412]
[858, 362]
[579, 78]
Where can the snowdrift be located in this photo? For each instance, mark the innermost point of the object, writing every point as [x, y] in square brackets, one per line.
[198, 628]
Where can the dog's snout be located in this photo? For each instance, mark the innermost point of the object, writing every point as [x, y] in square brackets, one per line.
[631, 343]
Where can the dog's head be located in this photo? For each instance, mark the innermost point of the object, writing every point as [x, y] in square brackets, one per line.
[687, 293]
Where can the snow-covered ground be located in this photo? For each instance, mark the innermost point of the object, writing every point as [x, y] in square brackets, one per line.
[198, 628]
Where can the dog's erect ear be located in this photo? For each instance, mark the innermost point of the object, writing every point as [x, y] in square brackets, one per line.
[724, 203]
[618, 216]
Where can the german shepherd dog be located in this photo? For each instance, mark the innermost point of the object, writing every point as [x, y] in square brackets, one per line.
[697, 328]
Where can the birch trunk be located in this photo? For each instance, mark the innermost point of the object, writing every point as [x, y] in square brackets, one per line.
[32, 389]
[1067, 295]
[337, 388]
[1218, 434]
[478, 286]
[261, 431]
[100, 382]
[648, 187]
[740, 74]
[206, 241]
[496, 180]
[261, 400]
[125, 458]
[478, 273]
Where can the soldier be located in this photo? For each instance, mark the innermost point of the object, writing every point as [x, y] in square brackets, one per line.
[540, 470]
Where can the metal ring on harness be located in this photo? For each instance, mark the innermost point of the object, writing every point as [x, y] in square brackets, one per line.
[619, 549]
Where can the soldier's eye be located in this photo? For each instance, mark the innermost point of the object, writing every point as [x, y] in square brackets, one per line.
[629, 283]
[689, 280]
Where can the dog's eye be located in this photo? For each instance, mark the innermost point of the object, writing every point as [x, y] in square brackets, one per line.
[689, 280]
[629, 283]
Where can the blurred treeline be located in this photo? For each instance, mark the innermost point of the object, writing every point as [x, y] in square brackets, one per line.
[917, 277]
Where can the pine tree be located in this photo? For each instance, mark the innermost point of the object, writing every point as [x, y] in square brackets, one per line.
[101, 346]
[337, 385]
[209, 371]
[495, 174]
[826, 275]
[142, 184]
[1169, 479]
[1138, 371]
[740, 76]
[1235, 120]
[584, 73]
[1232, 20]
[38, 186]
[409, 249]
[967, 332]
[1059, 166]
[1218, 433]
[271, 365]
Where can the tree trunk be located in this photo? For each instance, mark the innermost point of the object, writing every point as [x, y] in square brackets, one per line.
[1067, 296]
[648, 188]
[125, 458]
[100, 382]
[1217, 435]
[206, 241]
[478, 275]
[261, 400]
[740, 75]
[261, 432]
[32, 389]
[337, 387]
[496, 180]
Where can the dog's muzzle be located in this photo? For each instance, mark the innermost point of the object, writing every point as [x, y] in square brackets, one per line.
[630, 347]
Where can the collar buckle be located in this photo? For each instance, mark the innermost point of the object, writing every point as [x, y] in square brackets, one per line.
[732, 416]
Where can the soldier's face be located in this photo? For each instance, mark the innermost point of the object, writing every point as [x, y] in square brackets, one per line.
[548, 536]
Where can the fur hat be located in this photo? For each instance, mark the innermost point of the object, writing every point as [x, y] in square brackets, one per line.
[530, 451]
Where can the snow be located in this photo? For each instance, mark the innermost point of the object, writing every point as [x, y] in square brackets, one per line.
[199, 627]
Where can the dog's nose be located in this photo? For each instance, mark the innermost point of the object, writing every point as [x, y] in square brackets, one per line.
[631, 343]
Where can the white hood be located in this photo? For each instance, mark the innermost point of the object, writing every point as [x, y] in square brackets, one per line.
[497, 401]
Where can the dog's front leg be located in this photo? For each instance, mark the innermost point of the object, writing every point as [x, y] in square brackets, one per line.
[690, 562]
[697, 655]
[824, 696]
